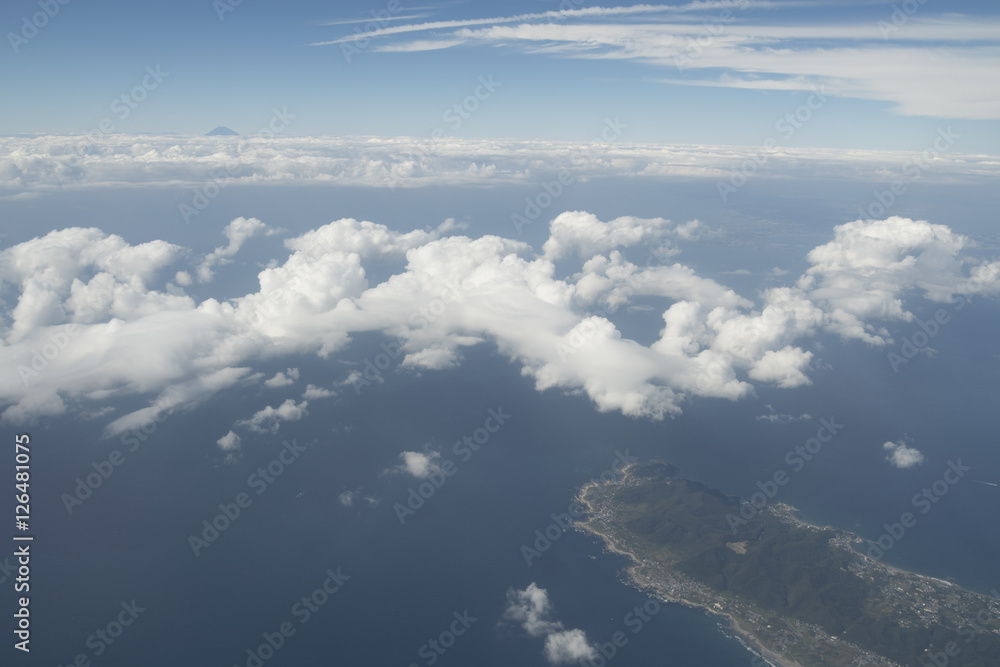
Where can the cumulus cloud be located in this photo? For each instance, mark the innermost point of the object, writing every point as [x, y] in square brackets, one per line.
[902, 456]
[568, 646]
[865, 271]
[533, 611]
[584, 234]
[420, 465]
[78, 274]
[531, 608]
[269, 419]
[87, 317]
[355, 378]
[237, 231]
[229, 442]
[313, 392]
[283, 379]
[784, 367]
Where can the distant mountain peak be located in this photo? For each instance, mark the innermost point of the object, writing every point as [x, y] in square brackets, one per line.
[222, 131]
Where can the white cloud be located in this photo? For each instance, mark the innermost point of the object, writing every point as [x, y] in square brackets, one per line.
[582, 233]
[531, 608]
[864, 272]
[777, 418]
[269, 419]
[49, 163]
[50, 272]
[355, 377]
[568, 646]
[237, 231]
[419, 464]
[560, 14]
[97, 413]
[936, 66]
[173, 395]
[229, 442]
[283, 379]
[97, 308]
[785, 367]
[313, 392]
[902, 456]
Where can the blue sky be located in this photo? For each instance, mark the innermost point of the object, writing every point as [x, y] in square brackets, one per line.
[891, 84]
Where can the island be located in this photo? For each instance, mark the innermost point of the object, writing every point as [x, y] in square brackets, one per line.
[797, 595]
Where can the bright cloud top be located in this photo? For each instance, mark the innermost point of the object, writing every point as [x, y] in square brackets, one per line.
[86, 317]
[420, 465]
[531, 608]
[901, 456]
[229, 442]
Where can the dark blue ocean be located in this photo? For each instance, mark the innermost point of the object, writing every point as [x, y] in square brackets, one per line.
[400, 585]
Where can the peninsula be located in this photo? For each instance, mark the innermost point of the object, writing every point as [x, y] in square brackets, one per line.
[798, 595]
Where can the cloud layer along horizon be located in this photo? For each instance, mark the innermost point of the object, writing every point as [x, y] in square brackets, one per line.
[30, 166]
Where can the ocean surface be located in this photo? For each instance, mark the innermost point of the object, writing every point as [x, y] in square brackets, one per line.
[461, 551]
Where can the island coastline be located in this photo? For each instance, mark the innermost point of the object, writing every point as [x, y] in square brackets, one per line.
[918, 600]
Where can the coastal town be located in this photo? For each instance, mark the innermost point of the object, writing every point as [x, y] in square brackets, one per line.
[902, 599]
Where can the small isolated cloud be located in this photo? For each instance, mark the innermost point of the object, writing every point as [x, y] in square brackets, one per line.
[778, 418]
[269, 419]
[418, 464]
[356, 378]
[567, 647]
[352, 498]
[283, 379]
[312, 392]
[229, 442]
[531, 608]
[902, 456]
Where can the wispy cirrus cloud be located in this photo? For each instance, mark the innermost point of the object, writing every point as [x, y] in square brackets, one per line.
[935, 65]
[561, 14]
